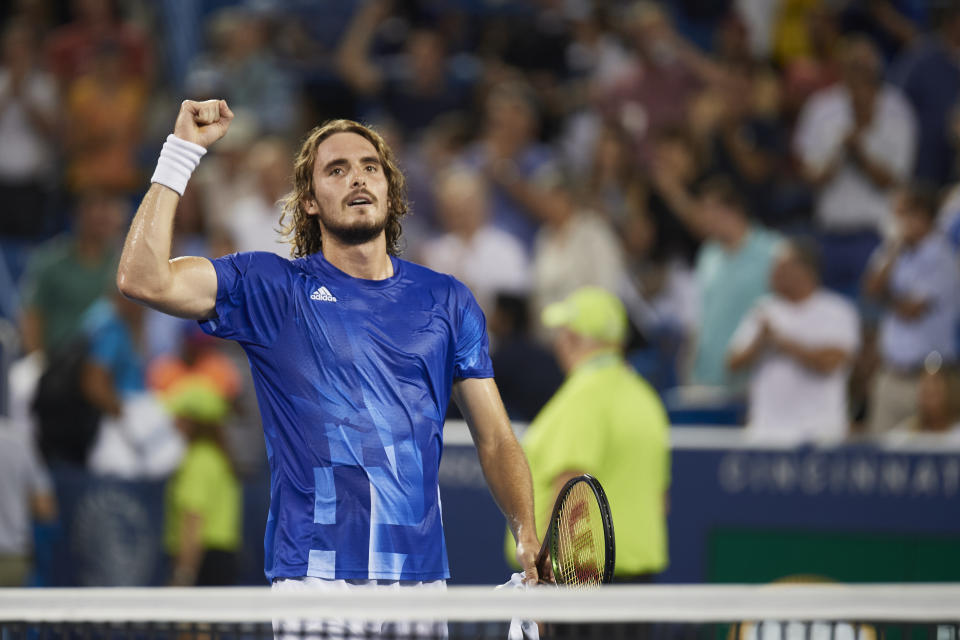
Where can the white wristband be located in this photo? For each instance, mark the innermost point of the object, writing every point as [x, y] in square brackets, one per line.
[178, 159]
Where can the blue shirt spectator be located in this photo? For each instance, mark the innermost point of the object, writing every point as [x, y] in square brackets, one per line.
[511, 157]
[112, 346]
[929, 76]
[915, 276]
[927, 272]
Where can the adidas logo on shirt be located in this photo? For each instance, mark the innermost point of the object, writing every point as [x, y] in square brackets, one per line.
[323, 295]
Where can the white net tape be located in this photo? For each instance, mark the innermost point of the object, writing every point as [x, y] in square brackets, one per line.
[682, 604]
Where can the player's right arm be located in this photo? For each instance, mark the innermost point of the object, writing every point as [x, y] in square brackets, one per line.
[185, 287]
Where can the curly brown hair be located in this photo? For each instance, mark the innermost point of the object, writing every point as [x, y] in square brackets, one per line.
[303, 230]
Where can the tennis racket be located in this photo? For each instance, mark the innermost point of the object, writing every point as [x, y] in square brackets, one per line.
[579, 540]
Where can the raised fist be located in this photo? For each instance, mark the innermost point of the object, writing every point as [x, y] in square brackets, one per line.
[203, 123]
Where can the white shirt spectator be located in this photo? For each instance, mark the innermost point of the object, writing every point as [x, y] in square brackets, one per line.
[254, 226]
[490, 262]
[789, 402]
[584, 252]
[930, 273]
[27, 154]
[849, 201]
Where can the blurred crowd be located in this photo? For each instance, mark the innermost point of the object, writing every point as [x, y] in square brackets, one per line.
[770, 187]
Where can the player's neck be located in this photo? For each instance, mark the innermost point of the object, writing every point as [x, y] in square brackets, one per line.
[368, 261]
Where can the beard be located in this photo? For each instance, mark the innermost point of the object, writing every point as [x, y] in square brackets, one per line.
[355, 233]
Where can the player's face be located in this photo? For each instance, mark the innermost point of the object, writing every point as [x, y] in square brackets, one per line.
[350, 189]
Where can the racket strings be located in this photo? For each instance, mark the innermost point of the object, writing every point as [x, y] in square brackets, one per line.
[579, 554]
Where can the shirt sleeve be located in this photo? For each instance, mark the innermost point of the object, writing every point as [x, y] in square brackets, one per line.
[747, 330]
[253, 297]
[472, 357]
[940, 281]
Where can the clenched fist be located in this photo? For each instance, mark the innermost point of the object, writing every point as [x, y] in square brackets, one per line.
[203, 123]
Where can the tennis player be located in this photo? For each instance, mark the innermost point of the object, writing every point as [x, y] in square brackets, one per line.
[354, 354]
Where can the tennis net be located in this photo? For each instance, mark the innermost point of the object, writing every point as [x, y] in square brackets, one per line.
[780, 612]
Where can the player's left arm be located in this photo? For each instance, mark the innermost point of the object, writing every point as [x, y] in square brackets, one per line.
[503, 462]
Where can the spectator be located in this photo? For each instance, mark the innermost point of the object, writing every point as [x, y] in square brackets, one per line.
[135, 437]
[747, 143]
[104, 120]
[114, 367]
[527, 373]
[856, 143]
[594, 53]
[413, 88]
[486, 259]
[792, 34]
[254, 222]
[660, 294]
[199, 357]
[223, 178]
[441, 146]
[799, 344]
[948, 218]
[613, 176]
[915, 277]
[243, 69]
[818, 66]
[73, 48]
[656, 91]
[204, 502]
[574, 248]
[758, 17]
[670, 202]
[938, 404]
[732, 272]
[28, 112]
[606, 421]
[929, 76]
[25, 491]
[224, 367]
[68, 273]
[509, 154]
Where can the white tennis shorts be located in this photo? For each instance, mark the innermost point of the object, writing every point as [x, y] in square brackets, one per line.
[348, 628]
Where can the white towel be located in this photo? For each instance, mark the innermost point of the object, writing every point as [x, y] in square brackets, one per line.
[520, 629]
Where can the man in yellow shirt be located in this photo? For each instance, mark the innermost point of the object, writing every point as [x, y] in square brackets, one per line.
[606, 421]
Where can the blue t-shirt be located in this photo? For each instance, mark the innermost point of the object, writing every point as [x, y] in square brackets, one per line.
[353, 378]
[112, 346]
